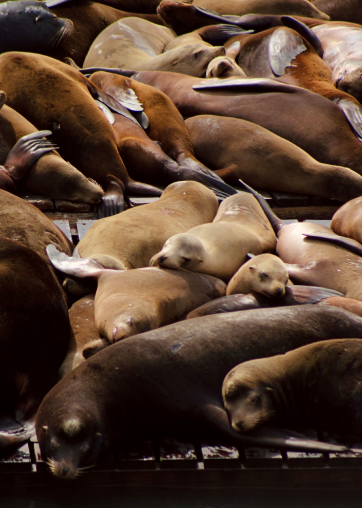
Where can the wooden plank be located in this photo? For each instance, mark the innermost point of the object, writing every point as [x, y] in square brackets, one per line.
[83, 226]
[351, 458]
[321, 222]
[219, 456]
[41, 202]
[137, 457]
[18, 461]
[177, 454]
[283, 199]
[304, 459]
[65, 227]
[262, 457]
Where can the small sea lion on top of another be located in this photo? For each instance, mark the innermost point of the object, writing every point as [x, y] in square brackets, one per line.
[317, 385]
[226, 66]
[221, 247]
[102, 404]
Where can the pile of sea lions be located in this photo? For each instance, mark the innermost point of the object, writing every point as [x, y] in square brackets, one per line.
[201, 311]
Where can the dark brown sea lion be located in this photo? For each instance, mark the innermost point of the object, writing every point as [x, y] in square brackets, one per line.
[341, 10]
[34, 336]
[133, 237]
[294, 295]
[27, 25]
[50, 175]
[300, 116]
[103, 403]
[235, 148]
[347, 220]
[89, 19]
[139, 6]
[219, 248]
[317, 385]
[38, 87]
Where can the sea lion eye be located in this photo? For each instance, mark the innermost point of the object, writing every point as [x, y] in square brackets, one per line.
[255, 399]
[54, 445]
[186, 259]
[197, 54]
[264, 275]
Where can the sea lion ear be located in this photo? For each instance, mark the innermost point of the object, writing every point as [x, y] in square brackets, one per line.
[45, 428]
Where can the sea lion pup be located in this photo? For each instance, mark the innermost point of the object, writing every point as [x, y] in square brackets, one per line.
[134, 236]
[226, 66]
[102, 403]
[30, 26]
[128, 302]
[265, 274]
[220, 248]
[34, 337]
[89, 19]
[81, 130]
[294, 295]
[317, 385]
[236, 148]
[128, 44]
[50, 175]
[347, 220]
[303, 116]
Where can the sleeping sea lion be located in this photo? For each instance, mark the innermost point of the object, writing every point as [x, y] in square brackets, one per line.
[317, 385]
[221, 247]
[103, 402]
[347, 220]
[341, 10]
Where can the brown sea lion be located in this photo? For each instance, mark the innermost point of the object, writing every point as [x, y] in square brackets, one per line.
[34, 337]
[265, 274]
[89, 19]
[221, 247]
[139, 6]
[236, 148]
[50, 175]
[347, 220]
[81, 129]
[294, 295]
[102, 403]
[137, 44]
[128, 302]
[298, 115]
[134, 236]
[317, 385]
[341, 10]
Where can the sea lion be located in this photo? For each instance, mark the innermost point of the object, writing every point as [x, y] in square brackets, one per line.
[102, 403]
[136, 44]
[134, 236]
[50, 175]
[89, 19]
[27, 25]
[347, 220]
[241, 7]
[236, 148]
[128, 302]
[138, 6]
[221, 247]
[317, 385]
[34, 337]
[81, 130]
[265, 274]
[341, 10]
[304, 118]
[225, 66]
[294, 295]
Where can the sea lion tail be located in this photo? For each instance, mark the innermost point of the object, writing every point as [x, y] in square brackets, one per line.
[77, 267]
[217, 418]
[274, 220]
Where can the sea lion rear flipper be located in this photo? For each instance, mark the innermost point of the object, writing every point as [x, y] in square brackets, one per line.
[15, 437]
[283, 47]
[245, 85]
[353, 113]
[26, 152]
[120, 72]
[208, 178]
[113, 198]
[347, 243]
[305, 32]
[77, 267]
[217, 418]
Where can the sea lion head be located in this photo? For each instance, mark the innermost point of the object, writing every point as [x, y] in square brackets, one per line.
[191, 59]
[226, 66]
[69, 442]
[180, 252]
[347, 76]
[247, 398]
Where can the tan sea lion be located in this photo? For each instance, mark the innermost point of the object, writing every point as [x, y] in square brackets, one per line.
[225, 66]
[236, 148]
[102, 403]
[347, 220]
[137, 44]
[134, 236]
[221, 247]
[317, 385]
[128, 302]
[265, 274]
[34, 337]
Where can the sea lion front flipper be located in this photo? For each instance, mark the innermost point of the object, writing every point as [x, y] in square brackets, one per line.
[113, 198]
[353, 113]
[341, 241]
[54, 3]
[26, 152]
[77, 267]
[283, 47]
[305, 32]
[15, 437]
[245, 85]
[208, 178]
[216, 417]
[221, 33]
[310, 294]
[120, 72]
